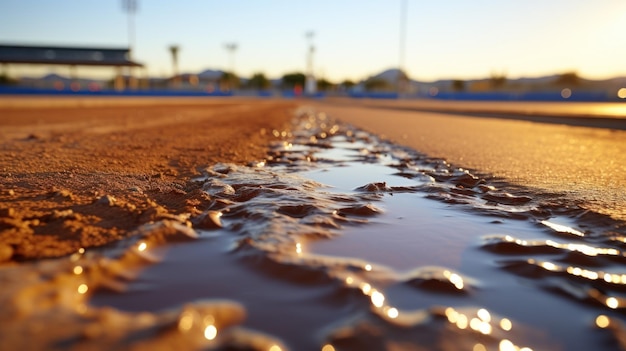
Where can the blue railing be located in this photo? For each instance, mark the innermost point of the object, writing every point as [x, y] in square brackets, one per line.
[582, 96]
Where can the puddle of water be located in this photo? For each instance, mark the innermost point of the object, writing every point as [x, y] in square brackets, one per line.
[414, 232]
[205, 270]
[339, 241]
[411, 232]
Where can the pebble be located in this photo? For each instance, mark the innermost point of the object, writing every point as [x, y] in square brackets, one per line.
[62, 214]
[107, 200]
[64, 193]
[7, 212]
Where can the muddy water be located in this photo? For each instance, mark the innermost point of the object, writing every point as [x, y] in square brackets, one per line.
[339, 241]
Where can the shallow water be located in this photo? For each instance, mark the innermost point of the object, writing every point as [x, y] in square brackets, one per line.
[340, 241]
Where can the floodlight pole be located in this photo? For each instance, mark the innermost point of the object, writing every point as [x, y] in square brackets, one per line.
[174, 51]
[402, 46]
[310, 83]
[130, 6]
[231, 48]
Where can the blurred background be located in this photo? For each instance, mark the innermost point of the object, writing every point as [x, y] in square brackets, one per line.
[533, 50]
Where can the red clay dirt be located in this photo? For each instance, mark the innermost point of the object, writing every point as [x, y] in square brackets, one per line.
[87, 172]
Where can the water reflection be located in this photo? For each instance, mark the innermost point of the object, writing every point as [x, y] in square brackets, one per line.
[602, 321]
[298, 248]
[462, 321]
[377, 298]
[454, 279]
[507, 345]
[83, 288]
[479, 347]
[186, 321]
[506, 324]
[611, 278]
[543, 245]
[78, 254]
[210, 332]
[614, 278]
[612, 302]
[482, 323]
[393, 312]
[562, 228]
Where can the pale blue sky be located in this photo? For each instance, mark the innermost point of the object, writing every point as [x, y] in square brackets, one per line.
[353, 38]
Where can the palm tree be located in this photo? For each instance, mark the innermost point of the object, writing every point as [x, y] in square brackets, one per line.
[231, 48]
[174, 52]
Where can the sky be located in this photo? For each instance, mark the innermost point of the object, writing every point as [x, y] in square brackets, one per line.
[353, 39]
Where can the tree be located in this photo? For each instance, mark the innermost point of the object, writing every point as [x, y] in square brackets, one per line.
[377, 84]
[347, 84]
[401, 77]
[458, 85]
[323, 85]
[497, 80]
[568, 79]
[291, 80]
[259, 82]
[402, 81]
[174, 51]
[229, 81]
[6, 80]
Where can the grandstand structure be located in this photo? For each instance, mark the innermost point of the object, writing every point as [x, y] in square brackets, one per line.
[117, 58]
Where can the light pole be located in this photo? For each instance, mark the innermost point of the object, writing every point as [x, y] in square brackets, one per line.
[130, 7]
[401, 54]
[174, 51]
[231, 48]
[310, 83]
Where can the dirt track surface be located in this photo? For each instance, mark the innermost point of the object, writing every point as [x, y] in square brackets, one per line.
[86, 172]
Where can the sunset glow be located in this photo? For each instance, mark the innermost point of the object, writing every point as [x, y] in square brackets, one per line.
[461, 40]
